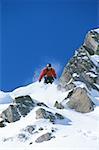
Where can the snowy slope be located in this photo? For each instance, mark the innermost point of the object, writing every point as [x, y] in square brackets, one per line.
[81, 133]
[5, 98]
[43, 93]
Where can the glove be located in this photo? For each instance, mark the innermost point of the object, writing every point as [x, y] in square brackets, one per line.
[39, 80]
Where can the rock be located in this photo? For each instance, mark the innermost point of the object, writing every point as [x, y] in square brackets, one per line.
[11, 114]
[30, 129]
[82, 64]
[41, 104]
[69, 86]
[40, 129]
[80, 101]
[58, 105]
[97, 80]
[40, 113]
[43, 114]
[59, 116]
[22, 137]
[21, 107]
[30, 143]
[44, 137]
[25, 104]
[88, 78]
[69, 94]
[66, 76]
[89, 50]
[92, 40]
[2, 124]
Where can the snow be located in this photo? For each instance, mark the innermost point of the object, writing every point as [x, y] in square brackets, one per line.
[97, 85]
[81, 133]
[5, 98]
[3, 107]
[97, 30]
[91, 74]
[85, 58]
[43, 93]
[75, 75]
[95, 96]
[80, 84]
[95, 59]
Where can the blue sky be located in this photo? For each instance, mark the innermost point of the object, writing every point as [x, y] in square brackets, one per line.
[35, 32]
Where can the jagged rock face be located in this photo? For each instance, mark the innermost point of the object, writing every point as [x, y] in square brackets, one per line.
[92, 42]
[81, 67]
[21, 107]
[84, 69]
[80, 101]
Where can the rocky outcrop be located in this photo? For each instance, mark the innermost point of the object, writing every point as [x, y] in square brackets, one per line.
[21, 107]
[24, 104]
[81, 67]
[41, 113]
[80, 101]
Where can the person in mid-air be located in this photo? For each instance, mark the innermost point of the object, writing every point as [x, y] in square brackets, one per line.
[48, 73]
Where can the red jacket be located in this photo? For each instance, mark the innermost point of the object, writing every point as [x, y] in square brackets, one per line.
[48, 73]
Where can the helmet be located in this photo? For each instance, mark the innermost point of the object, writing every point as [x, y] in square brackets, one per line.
[48, 65]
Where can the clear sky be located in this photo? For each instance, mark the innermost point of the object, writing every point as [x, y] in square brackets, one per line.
[35, 32]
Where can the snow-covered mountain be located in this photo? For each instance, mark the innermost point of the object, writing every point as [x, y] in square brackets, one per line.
[58, 116]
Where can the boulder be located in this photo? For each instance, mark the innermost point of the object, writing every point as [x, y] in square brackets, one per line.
[80, 101]
[21, 107]
[43, 114]
[11, 114]
[25, 104]
[44, 137]
[92, 40]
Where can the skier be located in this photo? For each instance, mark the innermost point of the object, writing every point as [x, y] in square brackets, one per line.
[48, 73]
